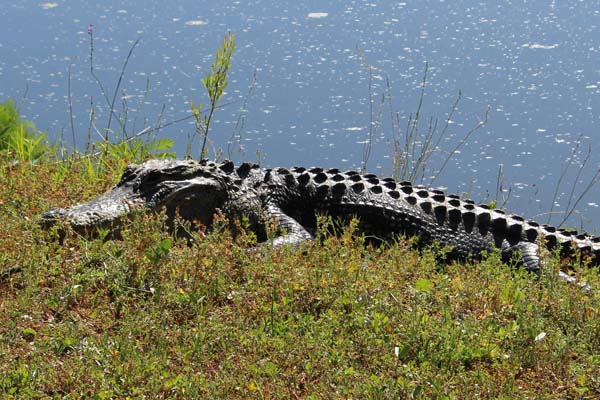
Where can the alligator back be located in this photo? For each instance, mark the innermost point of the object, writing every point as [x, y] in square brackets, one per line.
[386, 207]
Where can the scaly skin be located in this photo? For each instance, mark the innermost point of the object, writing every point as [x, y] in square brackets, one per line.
[294, 197]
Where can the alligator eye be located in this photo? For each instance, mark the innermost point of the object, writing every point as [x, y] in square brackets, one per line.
[129, 170]
[151, 177]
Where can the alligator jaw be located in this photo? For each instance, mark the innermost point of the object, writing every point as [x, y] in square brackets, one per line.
[104, 212]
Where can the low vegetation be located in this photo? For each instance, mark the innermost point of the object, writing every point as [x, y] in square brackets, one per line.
[156, 316]
[19, 138]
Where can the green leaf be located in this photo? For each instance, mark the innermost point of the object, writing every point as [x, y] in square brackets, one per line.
[29, 334]
[423, 285]
[271, 368]
[166, 245]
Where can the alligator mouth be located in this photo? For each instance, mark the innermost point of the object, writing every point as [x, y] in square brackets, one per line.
[104, 212]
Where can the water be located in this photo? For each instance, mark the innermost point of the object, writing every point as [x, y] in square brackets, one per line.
[535, 64]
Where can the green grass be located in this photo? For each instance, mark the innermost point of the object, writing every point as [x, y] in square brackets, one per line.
[154, 316]
[19, 138]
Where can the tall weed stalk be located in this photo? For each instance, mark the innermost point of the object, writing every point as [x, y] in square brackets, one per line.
[413, 146]
[215, 83]
[125, 146]
[573, 199]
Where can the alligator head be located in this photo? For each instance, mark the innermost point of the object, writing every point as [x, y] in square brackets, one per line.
[192, 190]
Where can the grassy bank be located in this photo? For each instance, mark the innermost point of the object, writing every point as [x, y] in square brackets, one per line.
[153, 316]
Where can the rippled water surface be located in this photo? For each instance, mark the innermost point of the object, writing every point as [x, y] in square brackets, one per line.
[535, 64]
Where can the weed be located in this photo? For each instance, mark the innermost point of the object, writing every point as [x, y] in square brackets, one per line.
[18, 138]
[215, 83]
[414, 146]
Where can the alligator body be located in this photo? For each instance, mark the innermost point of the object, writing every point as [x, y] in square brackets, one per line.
[292, 198]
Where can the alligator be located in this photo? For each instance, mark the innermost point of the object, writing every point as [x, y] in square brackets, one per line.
[291, 199]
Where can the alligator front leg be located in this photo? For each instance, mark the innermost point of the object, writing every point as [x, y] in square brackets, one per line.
[293, 232]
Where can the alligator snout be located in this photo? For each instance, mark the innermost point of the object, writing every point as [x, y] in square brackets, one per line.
[104, 212]
[55, 217]
[83, 220]
[52, 217]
